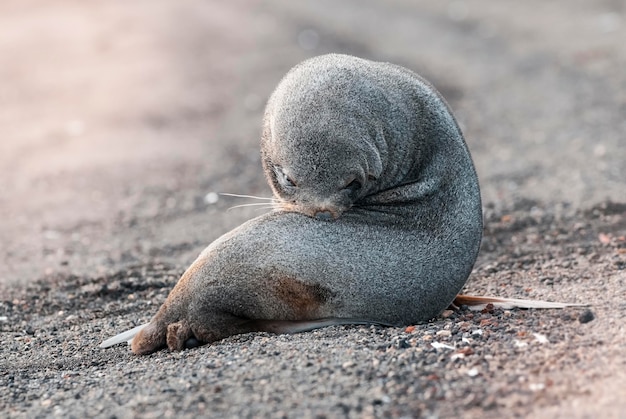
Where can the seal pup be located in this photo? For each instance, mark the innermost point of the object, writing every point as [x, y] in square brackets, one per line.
[379, 217]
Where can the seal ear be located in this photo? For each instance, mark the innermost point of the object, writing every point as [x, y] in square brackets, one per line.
[373, 157]
[375, 166]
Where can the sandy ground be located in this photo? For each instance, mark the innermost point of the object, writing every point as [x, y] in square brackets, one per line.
[118, 118]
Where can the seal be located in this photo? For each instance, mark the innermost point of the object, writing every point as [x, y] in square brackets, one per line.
[379, 217]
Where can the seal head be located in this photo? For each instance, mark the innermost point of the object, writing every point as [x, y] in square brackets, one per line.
[318, 155]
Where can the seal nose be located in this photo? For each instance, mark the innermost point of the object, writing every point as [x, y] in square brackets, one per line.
[324, 215]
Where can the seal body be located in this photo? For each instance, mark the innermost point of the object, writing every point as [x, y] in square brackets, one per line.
[380, 215]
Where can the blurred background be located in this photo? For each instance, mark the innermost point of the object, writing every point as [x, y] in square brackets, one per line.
[119, 121]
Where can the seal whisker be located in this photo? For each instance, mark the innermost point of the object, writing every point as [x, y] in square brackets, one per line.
[247, 196]
[262, 204]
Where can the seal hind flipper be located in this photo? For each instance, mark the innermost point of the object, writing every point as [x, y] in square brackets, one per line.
[479, 303]
[126, 336]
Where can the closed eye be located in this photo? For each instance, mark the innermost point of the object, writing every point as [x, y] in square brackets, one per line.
[353, 186]
[288, 181]
[283, 178]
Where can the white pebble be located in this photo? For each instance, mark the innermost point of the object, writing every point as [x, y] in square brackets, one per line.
[438, 345]
[211, 198]
[536, 386]
[519, 343]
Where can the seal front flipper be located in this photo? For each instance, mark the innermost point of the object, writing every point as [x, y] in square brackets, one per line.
[178, 334]
[126, 336]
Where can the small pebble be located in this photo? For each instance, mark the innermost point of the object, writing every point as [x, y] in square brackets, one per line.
[403, 344]
[586, 316]
[447, 313]
[192, 343]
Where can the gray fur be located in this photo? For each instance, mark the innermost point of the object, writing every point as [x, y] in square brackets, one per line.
[372, 150]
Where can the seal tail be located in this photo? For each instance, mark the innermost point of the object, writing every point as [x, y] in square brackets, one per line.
[479, 303]
[126, 336]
